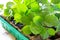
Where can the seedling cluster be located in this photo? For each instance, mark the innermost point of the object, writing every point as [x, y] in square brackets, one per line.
[37, 16]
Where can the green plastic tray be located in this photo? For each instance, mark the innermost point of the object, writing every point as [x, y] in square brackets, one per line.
[17, 34]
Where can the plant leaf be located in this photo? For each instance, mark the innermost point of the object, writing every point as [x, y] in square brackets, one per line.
[34, 6]
[37, 20]
[51, 20]
[17, 17]
[55, 1]
[26, 19]
[51, 31]
[6, 12]
[9, 4]
[35, 29]
[42, 1]
[22, 8]
[26, 29]
[44, 34]
[1, 6]
[17, 1]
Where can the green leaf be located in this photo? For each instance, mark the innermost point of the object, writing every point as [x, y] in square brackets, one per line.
[51, 31]
[55, 1]
[26, 29]
[37, 20]
[57, 5]
[43, 13]
[14, 8]
[9, 4]
[22, 8]
[50, 8]
[51, 20]
[42, 1]
[58, 27]
[44, 34]
[1, 6]
[26, 19]
[35, 29]
[33, 1]
[6, 12]
[57, 15]
[27, 2]
[34, 6]
[17, 17]
[17, 1]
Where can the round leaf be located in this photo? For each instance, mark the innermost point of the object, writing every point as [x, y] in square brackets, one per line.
[26, 29]
[51, 20]
[37, 20]
[51, 31]
[17, 17]
[55, 1]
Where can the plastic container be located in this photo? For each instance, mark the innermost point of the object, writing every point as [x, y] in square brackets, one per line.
[17, 34]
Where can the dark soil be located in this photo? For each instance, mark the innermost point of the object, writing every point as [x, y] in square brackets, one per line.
[19, 25]
[32, 34]
[57, 36]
